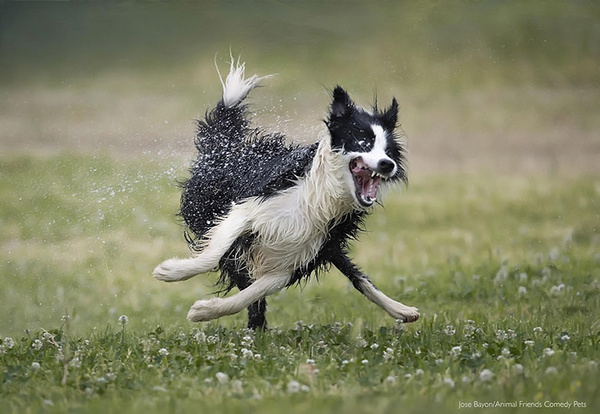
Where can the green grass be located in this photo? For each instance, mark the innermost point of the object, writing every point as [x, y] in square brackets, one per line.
[504, 269]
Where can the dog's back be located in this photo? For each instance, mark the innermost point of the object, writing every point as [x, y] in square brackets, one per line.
[235, 162]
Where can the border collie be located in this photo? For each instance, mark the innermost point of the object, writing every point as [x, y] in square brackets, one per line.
[267, 213]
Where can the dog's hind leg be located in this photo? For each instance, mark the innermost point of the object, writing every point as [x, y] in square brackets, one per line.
[362, 283]
[219, 239]
[205, 310]
[256, 310]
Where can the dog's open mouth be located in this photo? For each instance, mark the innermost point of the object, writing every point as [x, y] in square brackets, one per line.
[366, 182]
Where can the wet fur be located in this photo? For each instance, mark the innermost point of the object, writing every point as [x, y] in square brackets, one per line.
[267, 213]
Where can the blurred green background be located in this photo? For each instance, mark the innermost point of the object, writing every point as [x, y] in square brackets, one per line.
[496, 85]
[499, 102]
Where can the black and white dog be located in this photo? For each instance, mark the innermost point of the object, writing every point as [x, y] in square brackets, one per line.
[267, 213]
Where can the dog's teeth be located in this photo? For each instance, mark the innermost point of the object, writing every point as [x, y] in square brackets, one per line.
[373, 174]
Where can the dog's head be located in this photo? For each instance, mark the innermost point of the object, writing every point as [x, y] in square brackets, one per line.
[368, 142]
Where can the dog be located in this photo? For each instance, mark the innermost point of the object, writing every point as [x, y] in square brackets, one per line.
[267, 213]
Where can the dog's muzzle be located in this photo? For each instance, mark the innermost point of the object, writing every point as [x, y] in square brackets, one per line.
[366, 180]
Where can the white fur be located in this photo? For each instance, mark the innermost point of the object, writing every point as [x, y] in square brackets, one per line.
[236, 87]
[289, 228]
[220, 236]
[206, 310]
[395, 309]
[377, 153]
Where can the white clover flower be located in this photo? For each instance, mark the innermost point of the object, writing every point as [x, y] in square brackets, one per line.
[344, 362]
[364, 361]
[111, 376]
[37, 344]
[522, 290]
[237, 386]
[35, 366]
[518, 369]
[455, 351]
[163, 352]
[419, 372]
[548, 352]
[538, 329]
[200, 337]
[8, 343]
[523, 277]
[501, 335]
[486, 375]
[304, 388]
[557, 290]
[293, 387]
[246, 353]
[388, 354]
[75, 363]
[505, 352]
[529, 343]
[593, 364]
[466, 379]
[501, 275]
[360, 342]
[449, 330]
[551, 371]
[310, 361]
[449, 381]
[374, 346]
[247, 341]
[123, 320]
[390, 379]
[222, 377]
[565, 337]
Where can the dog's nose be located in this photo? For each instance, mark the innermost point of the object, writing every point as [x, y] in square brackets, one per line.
[386, 166]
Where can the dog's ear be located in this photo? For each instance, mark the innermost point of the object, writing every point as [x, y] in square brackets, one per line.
[389, 118]
[342, 106]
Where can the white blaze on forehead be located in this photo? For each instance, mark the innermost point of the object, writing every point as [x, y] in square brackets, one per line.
[380, 139]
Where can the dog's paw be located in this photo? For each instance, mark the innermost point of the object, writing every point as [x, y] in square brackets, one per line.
[204, 310]
[404, 313]
[163, 271]
[411, 315]
[171, 271]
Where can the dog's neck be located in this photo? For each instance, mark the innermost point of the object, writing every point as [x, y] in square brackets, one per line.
[325, 194]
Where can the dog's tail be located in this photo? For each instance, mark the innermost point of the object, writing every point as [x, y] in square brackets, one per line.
[227, 122]
[236, 87]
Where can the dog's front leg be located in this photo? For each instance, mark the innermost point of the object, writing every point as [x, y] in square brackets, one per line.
[218, 241]
[362, 283]
[205, 310]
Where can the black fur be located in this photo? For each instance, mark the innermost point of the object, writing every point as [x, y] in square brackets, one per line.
[236, 161]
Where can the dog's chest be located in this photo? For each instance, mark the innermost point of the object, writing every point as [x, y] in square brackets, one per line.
[288, 233]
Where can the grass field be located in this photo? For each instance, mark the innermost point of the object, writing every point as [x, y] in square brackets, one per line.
[505, 271]
[496, 240]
